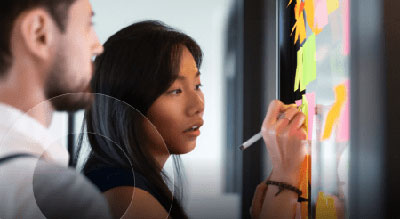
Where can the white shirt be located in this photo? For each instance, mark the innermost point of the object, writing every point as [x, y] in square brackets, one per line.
[41, 188]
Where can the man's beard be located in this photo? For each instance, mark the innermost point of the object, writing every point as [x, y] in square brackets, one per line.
[63, 95]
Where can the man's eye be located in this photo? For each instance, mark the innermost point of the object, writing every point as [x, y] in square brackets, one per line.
[198, 86]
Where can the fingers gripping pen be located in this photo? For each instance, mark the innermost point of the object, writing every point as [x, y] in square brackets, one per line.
[256, 137]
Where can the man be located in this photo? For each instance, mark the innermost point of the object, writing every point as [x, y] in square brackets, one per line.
[46, 48]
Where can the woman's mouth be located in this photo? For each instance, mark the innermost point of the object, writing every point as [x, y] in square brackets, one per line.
[194, 131]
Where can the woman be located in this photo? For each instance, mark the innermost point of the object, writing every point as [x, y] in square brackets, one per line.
[155, 70]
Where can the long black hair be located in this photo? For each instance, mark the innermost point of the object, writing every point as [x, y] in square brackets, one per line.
[139, 63]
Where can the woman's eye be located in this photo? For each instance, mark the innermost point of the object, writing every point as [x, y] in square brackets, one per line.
[177, 91]
[198, 86]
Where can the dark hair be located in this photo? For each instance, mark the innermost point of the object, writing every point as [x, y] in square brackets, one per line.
[9, 12]
[139, 63]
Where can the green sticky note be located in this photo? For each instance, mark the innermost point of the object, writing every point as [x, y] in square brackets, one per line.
[309, 62]
[299, 70]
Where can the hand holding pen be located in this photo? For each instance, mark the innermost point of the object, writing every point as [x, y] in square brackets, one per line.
[285, 137]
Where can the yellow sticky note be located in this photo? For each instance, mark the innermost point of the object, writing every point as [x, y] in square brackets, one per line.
[332, 5]
[299, 69]
[304, 109]
[334, 112]
[305, 181]
[290, 2]
[325, 207]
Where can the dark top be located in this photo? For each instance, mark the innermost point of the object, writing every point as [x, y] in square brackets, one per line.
[106, 178]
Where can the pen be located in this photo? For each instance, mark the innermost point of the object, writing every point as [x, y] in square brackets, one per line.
[257, 136]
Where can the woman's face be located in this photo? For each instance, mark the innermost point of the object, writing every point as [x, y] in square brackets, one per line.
[178, 113]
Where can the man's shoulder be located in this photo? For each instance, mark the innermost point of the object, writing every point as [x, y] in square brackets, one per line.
[45, 188]
[61, 192]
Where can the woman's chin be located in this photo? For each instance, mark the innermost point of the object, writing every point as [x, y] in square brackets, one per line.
[184, 149]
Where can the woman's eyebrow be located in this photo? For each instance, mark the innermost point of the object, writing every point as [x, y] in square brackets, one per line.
[181, 77]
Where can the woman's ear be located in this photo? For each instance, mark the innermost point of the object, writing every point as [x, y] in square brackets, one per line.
[37, 33]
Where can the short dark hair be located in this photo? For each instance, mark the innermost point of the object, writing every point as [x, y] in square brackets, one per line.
[9, 12]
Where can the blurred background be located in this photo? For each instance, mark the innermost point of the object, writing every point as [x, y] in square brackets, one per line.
[250, 58]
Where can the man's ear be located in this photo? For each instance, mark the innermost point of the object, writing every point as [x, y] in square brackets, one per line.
[37, 31]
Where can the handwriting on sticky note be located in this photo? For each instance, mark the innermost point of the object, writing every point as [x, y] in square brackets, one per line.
[334, 112]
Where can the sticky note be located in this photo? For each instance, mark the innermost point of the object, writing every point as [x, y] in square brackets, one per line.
[307, 106]
[334, 112]
[306, 70]
[325, 207]
[299, 70]
[305, 181]
[321, 14]
[309, 7]
[298, 102]
[343, 131]
[290, 2]
[346, 27]
[332, 5]
[299, 28]
[309, 61]
[311, 114]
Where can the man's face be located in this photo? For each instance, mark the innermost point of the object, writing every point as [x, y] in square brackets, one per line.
[71, 71]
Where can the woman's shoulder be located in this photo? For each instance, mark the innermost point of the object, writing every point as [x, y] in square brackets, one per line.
[133, 202]
[123, 186]
[106, 178]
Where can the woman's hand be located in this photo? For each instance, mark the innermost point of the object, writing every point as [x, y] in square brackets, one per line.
[285, 136]
[258, 200]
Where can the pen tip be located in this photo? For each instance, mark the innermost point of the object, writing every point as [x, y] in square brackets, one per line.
[241, 148]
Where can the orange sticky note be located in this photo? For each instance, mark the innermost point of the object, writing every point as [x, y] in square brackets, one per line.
[334, 112]
[343, 128]
[332, 5]
[299, 27]
[305, 181]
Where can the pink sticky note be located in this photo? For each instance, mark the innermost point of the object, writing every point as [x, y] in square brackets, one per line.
[346, 27]
[321, 14]
[311, 113]
[343, 126]
[298, 102]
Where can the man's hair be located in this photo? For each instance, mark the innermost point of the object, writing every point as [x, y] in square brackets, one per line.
[10, 11]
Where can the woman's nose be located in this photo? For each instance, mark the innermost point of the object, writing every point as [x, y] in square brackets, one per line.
[196, 104]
